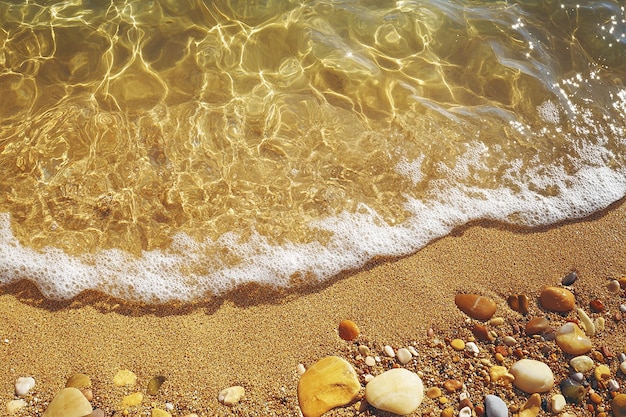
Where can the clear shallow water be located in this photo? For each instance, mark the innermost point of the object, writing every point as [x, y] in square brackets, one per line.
[159, 150]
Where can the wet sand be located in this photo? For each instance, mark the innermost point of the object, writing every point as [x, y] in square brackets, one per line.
[256, 339]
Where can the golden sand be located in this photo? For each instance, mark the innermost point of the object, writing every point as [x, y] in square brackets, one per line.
[255, 339]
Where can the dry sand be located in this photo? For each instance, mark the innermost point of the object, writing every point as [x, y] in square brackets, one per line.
[256, 340]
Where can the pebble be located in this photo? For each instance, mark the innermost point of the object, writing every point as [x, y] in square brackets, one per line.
[557, 299]
[231, 395]
[14, 406]
[482, 332]
[404, 356]
[157, 412]
[330, 382]
[622, 367]
[472, 347]
[518, 302]
[495, 407]
[452, 385]
[69, 402]
[124, 378]
[348, 330]
[398, 390]
[585, 320]
[24, 384]
[370, 361]
[476, 306]
[537, 325]
[132, 400]
[531, 407]
[602, 373]
[389, 351]
[582, 363]
[577, 376]
[612, 385]
[596, 305]
[155, 384]
[571, 339]
[300, 369]
[532, 376]
[570, 278]
[465, 412]
[557, 403]
[619, 405]
[98, 412]
[613, 286]
[78, 381]
[457, 344]
[509, 341]
[433, 392]
[573, 391]
[497, 373]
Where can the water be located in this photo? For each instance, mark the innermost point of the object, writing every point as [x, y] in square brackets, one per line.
[160, 150]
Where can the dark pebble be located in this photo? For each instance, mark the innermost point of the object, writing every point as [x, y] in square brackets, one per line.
[570, 278]
[573, 391]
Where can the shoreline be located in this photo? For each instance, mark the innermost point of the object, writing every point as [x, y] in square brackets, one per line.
[256, 338]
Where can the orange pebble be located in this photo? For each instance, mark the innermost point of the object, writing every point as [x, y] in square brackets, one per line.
[348, 330]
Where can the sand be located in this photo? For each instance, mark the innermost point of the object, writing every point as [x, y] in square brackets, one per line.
[256, 339]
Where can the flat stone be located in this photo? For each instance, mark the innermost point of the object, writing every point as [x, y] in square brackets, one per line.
[476, 306]
[571, 339]
[330, 382]
[132, 400]
[532, 376]
[231, 395]
[24, 384]
[124, 378]
[518, 302]
[619, 405]
[69, 402]
[14, 406]
[157, 412]
[495, 406]
[155, 384]
[557, 299]
[397, 390]
[582, 363]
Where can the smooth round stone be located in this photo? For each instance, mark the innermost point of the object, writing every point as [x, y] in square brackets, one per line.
[476, 306]
[495, 407]
[389, 351]
[557, 299]
[557, 403]
[457, 344]
[370, 361]
[613, 286]
[69, 402]
[465, 412]
[24, 384]
[98, 412]
[518, 302]
[582, 363]
[404, 356]
[231, 395]
[157, 412]
[398, 391]
[348, 330]
[619, 405]
[330, 382]
[571, 339]
[132, 400]
[570, 278]
[532, 376]
[537, 325]
[155, 384]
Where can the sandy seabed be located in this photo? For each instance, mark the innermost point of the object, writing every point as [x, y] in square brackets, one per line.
[256, 338]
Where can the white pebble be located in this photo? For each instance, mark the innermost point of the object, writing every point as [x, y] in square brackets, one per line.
[397, 390]
[621, 357]
[582, 363]
[389, 351]
[24, 384]
[300, 369]
[370, 361]
[465, 412]
[509, 341]
[169, 406]
[622, 367]
[612, 385]
[413, 351]
[557, 403]
[613, 286]
[495, 406]
[368, 378]
[532, 376]
[622, 308]
[472, 347]
[14, 406]
[404, 356]
[231, 395]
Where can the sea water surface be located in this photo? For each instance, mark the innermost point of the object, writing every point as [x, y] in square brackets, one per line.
[160, 150]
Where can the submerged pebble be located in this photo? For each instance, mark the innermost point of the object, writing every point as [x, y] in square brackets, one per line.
[398, 390]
